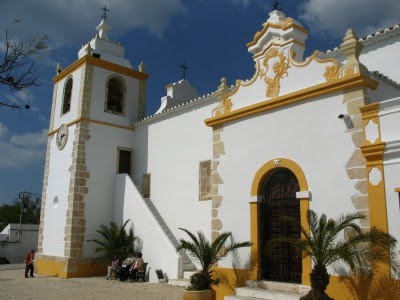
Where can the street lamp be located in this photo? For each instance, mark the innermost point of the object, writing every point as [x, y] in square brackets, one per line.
[24, 206]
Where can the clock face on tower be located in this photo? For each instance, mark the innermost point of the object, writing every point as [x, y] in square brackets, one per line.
[62, 136]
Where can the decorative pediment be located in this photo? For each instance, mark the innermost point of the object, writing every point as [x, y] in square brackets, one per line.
[281, 75]
[278, 74]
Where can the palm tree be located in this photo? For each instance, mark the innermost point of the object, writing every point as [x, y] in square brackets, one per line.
[208, 254]
[325, 247]
[115, 242]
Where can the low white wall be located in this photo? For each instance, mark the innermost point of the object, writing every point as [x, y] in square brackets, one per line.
[16, 251]
[157, 249]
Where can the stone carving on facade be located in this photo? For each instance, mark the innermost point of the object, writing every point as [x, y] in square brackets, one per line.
[332, 73]
[279, 69]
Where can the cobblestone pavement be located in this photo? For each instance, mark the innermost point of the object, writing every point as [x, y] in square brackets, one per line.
[13, 285]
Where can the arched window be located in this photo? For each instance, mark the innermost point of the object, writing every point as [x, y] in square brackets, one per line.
[115, 100]
[67, 96]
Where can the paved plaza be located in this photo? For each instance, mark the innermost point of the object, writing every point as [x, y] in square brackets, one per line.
[13, 285]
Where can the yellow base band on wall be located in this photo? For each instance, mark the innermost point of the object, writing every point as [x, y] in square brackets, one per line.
[68, 267]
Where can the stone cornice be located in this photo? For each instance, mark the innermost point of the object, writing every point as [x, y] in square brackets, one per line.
[373, 153]
[294, 97]
[87, 59]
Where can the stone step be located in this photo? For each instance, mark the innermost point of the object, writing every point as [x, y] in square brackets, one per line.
[187, 274]
[279, 286]
[179, 282]
[236, 297]
[188, 267]
[266, 294]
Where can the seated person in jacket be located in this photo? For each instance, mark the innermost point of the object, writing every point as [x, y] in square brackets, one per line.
[126, 265]
[137, 267]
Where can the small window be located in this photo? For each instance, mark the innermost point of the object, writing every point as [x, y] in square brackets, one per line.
[115, 99]
[146, 185]
[205, 176]
[66, 106]
[124, 161]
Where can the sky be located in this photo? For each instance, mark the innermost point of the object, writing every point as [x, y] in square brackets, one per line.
[210, 35]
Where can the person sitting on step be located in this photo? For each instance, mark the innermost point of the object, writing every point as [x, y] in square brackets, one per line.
[137, 267]
[115, 267]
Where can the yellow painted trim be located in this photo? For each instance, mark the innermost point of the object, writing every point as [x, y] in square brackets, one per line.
[71, 68]
[370, 111]
[231, 279]
[50, 268]
[294, 97]
[258, 180]
[340, 287]
[278, 45]
[373, 153]
[68, 268]
[377, 202]
[87, 59]
[95, 122]
[312, 58]
[255, 238]
[267, 25]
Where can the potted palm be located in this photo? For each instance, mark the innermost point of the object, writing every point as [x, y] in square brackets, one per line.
[208, 254]
[325, 247]
[116, 241]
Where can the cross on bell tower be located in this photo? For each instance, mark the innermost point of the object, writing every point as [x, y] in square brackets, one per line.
[105, 10]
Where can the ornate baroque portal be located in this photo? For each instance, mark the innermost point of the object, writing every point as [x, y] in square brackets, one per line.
[278, 195]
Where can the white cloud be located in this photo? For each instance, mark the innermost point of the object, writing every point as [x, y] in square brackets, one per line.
[3, 130]
[245, 3]
[30, 139]
[71, 21]
[18, 97]
[42, 118]
[335, 17]
[21, 149]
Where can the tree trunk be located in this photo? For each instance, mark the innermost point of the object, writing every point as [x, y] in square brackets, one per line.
[319, 278]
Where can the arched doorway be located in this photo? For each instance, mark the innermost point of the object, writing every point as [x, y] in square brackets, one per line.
[278, 194]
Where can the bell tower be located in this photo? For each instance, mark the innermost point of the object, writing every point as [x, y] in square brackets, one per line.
[95, 102]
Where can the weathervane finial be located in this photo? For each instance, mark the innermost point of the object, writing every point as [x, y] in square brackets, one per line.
[105, 10]
[184, 68]
[276, 5]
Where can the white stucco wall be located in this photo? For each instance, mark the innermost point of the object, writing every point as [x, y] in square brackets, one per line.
[102, 163]
[311, 135]
[158, 251]
[389, 117]
[58, 186]
[170, 147]
[383, 57]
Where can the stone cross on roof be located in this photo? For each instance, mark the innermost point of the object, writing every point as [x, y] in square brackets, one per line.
[184, 68]
[276, 5]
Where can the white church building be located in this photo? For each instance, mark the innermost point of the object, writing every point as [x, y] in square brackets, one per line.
[320, 133]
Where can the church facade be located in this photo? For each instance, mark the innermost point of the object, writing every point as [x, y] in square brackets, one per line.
[318, 133]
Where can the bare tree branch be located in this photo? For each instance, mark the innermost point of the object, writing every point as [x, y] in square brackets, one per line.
[17, 65]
